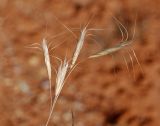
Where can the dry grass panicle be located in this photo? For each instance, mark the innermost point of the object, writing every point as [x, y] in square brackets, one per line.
[65, 67]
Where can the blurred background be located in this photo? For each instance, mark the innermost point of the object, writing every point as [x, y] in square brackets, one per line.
[100, 92]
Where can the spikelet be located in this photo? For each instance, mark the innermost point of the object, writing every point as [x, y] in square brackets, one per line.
[124, 42]
[48, 66]
[78, 47]
[61, 76]
[60, 80]
[111, 50]
[46, 56]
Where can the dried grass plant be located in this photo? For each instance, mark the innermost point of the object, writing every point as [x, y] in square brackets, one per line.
[65, 67]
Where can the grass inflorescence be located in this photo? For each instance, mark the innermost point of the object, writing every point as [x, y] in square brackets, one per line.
[66, 66]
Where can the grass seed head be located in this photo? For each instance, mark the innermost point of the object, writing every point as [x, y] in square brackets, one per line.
[46, 56]
[78, 47]
[110, 50]
[61, 75]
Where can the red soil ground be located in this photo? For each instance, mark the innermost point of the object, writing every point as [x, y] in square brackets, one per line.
[100, 91]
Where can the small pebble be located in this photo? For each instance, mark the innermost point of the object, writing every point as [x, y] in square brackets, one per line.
[34, 61]
[45, 84]
[24, 87]
[78, 106]
[67, 116]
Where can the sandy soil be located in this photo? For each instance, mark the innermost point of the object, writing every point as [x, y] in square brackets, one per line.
[100, 92]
